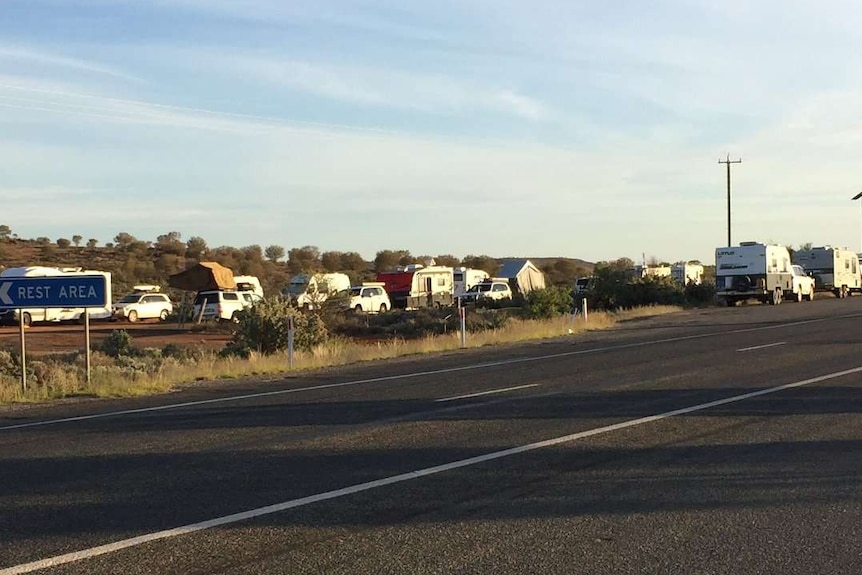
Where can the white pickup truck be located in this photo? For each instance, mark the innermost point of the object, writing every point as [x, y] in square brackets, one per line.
[758, 271]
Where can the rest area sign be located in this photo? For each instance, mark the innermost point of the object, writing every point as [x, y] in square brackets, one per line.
[54, 292]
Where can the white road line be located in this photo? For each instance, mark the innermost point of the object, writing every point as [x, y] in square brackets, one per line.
[414, 374]
[409, 476]
[754, 347]
[491, 392]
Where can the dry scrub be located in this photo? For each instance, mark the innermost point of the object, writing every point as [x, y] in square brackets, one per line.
[155, 374]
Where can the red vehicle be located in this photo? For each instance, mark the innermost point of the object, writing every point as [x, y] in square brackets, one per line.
[416, 286]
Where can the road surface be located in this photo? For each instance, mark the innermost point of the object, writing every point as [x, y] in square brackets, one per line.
[719, 441]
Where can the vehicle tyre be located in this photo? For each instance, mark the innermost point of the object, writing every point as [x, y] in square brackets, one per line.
[843, 292]
[27, 318]
[358, 309]
[234, 317]
[133, 316]
[383, 308]
[730, 302]
[799, 295]
[776, 297]
[811, 294]
[164, 315]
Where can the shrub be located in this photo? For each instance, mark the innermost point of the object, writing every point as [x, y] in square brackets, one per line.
[118, 343]
[549, 302]
[264, 328]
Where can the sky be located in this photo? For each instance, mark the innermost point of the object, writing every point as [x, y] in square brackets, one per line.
[547, 128]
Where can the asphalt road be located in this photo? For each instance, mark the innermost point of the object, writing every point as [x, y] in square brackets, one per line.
[721, 441]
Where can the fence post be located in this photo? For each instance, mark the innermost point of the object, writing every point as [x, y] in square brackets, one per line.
[462, 315]
[291, 331]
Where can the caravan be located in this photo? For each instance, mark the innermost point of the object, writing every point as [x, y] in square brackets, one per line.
[36, 315]
[309, 291]
[758, 271]
[833, 269]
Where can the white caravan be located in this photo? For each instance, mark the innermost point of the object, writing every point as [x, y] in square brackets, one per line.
[833, 269]
[758, 271]
[311, 290]
[34, 315]
[687, 273]
[465, 278]
[248, 283]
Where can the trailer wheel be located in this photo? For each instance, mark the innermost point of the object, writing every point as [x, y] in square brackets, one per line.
[27, 319]
[843, 292]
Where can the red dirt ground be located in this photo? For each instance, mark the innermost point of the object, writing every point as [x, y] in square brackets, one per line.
[61, 338]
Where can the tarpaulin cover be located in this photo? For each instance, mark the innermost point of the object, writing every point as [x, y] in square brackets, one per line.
[203, 276]
[523, 274]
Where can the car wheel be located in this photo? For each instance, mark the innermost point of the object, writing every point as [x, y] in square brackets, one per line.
[132, 316]
[234, 317]
[776, 296]
[799, 295]
[27, 319]
[164, 315]
[811, 294]
[358, 309]
[383, 308]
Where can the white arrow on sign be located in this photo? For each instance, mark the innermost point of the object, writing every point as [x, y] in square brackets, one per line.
[4, 293]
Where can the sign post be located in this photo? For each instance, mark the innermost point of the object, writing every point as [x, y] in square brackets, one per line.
[23, 293]
[291, 331]
[462, 315]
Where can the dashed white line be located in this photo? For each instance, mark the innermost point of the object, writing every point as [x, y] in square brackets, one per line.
[491, 392]
[414, 374]
[754, 347]
[294, 503]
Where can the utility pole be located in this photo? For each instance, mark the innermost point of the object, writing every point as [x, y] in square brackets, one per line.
[728, 161]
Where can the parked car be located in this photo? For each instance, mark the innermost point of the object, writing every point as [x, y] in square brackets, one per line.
[143, 305]
[223, 304]
[369, 298]
[489, 289]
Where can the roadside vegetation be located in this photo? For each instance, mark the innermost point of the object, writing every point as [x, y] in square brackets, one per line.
[328, 338]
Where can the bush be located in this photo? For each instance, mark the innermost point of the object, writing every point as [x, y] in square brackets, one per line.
[118, 343]
[549, 302]
[264, 328]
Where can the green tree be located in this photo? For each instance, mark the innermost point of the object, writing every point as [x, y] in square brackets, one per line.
[63, 242]
[76, 239]
[486, 263]
[124, 240]
[5, 232]
[92, 243]
[386, 260]
[331, 261]
[171, 243]
[196, 247]
[303, 260]
[447, 260]
[274, 253]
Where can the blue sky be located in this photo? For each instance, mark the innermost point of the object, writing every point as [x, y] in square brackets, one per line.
[542, 128]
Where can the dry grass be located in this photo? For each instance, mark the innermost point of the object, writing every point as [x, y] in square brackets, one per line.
[57, 380]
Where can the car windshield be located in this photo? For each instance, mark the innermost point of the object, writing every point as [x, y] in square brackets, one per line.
[356, 291]
[131, 298]
[296, 288]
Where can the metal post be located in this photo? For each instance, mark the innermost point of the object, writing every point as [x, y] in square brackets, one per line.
[856, 197]
[87, 341]
[585, 311]
[291, 331]
[23, 349]
[462, 315]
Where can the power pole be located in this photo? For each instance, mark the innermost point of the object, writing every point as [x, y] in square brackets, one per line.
[728, 161]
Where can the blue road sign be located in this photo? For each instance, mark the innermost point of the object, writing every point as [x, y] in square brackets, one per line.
[54, 292]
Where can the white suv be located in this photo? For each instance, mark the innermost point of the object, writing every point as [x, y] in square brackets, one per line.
[495, 289]
[138, 305]
[369, 297]
[223, 304]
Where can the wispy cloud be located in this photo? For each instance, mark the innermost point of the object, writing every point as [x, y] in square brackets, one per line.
[29, 57]
[389, 88]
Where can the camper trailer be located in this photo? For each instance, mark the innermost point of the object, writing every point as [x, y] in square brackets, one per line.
[248, 283]
[416, 286]
[465, 278]
[37, 315]
[309, 291]
[758, 271]
[833, 269]
[687, 273]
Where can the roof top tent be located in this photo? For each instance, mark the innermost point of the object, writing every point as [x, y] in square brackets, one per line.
[203, 276]
[416, 286]
[523, 276]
